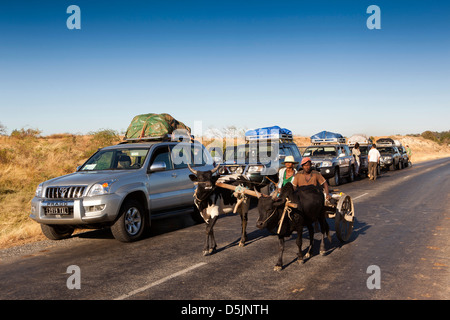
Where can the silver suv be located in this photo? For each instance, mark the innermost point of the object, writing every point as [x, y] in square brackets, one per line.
[123, 187]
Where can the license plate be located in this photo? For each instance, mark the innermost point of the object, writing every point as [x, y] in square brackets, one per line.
[57, 210]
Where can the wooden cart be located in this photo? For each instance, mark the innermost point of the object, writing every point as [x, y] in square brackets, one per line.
[341, 208]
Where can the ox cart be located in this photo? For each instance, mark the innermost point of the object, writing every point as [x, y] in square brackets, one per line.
[340, 207]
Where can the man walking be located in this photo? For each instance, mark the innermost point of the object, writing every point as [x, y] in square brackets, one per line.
[374, 161]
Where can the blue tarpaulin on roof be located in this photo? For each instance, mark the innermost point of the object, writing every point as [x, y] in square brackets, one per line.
[326, 135]
[267, 130]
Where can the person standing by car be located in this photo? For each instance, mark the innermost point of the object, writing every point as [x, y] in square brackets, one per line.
[287, 173]
[356, 153]
[308, 176]
[409, 153]
[374, 161]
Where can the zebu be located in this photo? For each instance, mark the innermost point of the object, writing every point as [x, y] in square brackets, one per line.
[310, 208]
[212, 201]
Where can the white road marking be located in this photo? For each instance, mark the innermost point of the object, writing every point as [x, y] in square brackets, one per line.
[176, 274]
[360, 196]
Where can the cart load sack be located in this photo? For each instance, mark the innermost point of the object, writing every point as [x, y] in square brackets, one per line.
[154, 125]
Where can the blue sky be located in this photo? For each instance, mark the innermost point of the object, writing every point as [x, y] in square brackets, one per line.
[305, 65]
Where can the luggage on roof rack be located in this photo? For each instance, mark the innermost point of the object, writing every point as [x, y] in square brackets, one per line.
[360, 138]
[153, 126]
[168, 137]
[385, 141]
[268, 133]
[388, 142]
[327, 137]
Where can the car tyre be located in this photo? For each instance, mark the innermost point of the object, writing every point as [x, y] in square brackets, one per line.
[57, 232]
[351, 175]
[131, 222]
[335, 181]
[267, 190]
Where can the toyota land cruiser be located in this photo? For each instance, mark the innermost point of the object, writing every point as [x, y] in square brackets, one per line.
[123, 187]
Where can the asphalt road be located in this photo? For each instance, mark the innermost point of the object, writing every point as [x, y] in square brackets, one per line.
[399, 249]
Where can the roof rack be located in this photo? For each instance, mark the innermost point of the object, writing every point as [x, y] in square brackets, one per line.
[167, 137]
[362, 139]
[388, 142]
[269, 133]
[327, 140]
[270, 136]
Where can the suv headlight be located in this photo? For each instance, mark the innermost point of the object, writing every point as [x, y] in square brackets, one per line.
[100, 188]
[255, 169]
[327, 164]
[38, 192]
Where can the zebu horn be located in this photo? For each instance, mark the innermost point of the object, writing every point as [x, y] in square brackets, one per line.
[238, 203]
[192, 170]
[215, 169]
[258, 195]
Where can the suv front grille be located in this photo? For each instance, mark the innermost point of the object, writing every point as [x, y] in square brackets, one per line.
[72, 192]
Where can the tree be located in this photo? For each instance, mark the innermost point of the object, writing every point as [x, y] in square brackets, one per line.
[2, 130]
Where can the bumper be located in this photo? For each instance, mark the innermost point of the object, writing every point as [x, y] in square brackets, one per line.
[258, 179]
[386, 163]
[326, 172]
[85, 211]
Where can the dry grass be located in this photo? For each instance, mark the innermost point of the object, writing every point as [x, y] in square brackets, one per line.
[26, 162]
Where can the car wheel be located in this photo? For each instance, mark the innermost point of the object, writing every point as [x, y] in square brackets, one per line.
[131, 223]
[267, 190]
[57, 232]
[335, 181]
[351, 174]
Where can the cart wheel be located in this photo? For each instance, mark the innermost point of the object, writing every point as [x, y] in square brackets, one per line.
[344, 218]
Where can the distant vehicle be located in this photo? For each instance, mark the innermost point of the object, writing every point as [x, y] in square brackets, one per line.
[404, 155]
[331, 157]
[260, 158]
[122, 186]
[390, 156]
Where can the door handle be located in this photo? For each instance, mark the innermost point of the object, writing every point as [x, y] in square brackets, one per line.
[174, 175]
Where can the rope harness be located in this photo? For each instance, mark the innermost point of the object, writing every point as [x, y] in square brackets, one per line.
[239, 193]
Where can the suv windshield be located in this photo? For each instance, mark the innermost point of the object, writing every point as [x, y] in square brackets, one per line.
[256, 153]
[231, 154]
[320, 151]
[364, 150]
[386, 150]
[116, 159]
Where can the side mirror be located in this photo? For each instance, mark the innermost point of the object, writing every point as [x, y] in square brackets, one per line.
[78, 168]
[157, 166]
